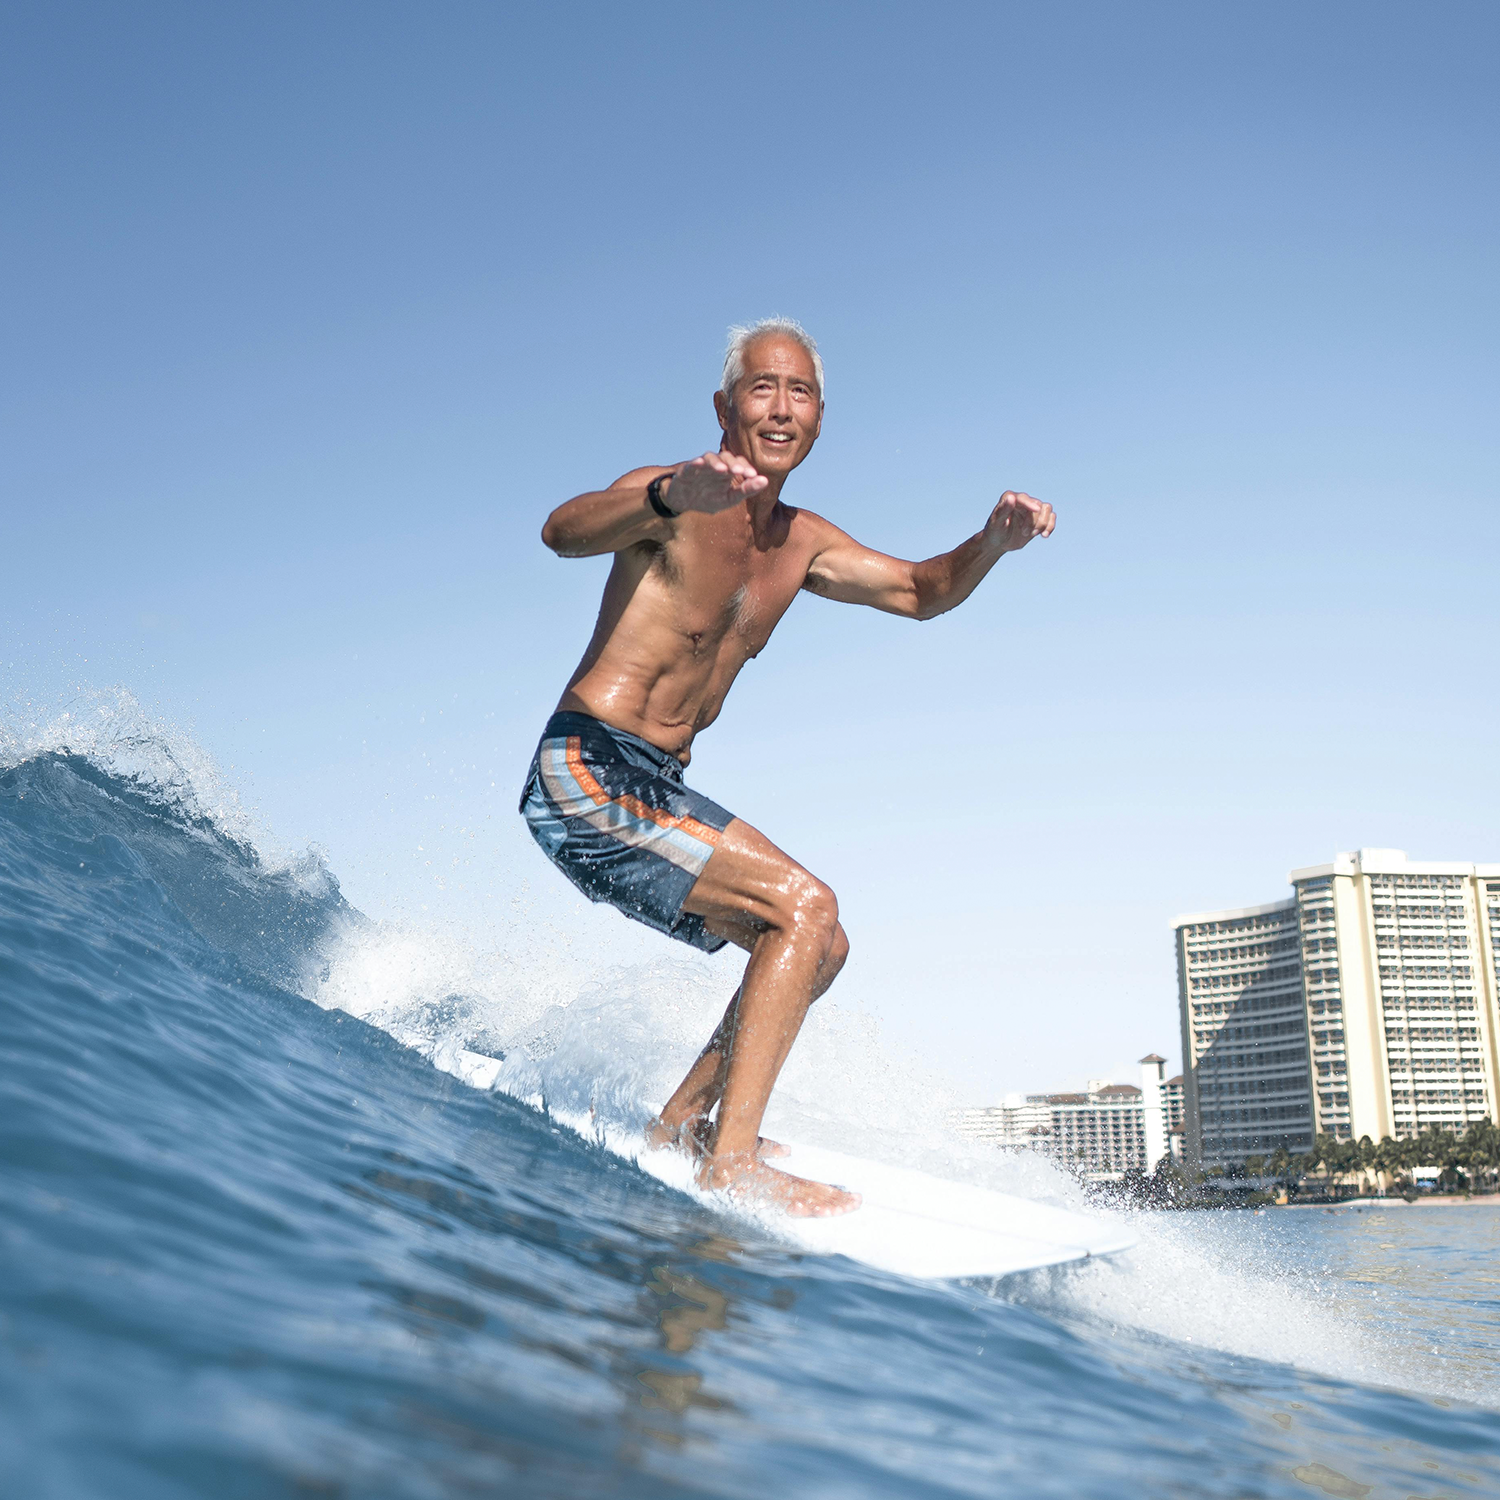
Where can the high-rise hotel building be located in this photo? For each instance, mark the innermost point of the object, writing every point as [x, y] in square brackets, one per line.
[1366, 1004]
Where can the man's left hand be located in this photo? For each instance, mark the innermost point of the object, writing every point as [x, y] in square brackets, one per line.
[1017, 519]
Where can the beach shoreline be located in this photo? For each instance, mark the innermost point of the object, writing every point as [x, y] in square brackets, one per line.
[1431, 1200]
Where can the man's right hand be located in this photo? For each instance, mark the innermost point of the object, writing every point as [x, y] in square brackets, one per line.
[619, 517]
[714, 483]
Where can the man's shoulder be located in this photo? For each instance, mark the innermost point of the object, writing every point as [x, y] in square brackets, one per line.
[811, 528]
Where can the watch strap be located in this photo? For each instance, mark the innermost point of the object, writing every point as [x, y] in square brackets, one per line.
[653, 494]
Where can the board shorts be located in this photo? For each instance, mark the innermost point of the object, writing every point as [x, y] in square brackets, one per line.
[610, 811]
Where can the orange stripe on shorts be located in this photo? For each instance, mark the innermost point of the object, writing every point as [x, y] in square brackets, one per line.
[633, 805]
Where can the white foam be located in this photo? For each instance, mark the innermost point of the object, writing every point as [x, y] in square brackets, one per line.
[612, 1044]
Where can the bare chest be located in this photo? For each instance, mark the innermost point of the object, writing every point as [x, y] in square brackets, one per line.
[725, 592]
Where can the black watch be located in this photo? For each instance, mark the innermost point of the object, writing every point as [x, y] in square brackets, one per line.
[653, 494]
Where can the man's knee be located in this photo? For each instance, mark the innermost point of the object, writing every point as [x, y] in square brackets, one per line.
[838, 951]
[811, 912]
[833, 961]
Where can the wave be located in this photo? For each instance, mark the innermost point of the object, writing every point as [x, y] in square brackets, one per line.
[241, 1166]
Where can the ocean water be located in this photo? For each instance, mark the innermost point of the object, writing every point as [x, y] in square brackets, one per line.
[257, 1239]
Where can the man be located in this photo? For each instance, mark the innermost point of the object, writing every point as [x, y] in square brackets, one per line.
[707, 558]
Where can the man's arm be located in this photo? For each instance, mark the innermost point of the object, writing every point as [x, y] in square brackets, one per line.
[842, 569]
[612, 520]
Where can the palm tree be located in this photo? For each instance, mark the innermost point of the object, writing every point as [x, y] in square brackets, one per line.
[1338, 1158]
[1479, 1151]
[1391, 1159]
[1279, 1161]
[1412, 1152]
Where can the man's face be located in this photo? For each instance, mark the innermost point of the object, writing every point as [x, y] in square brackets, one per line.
[774, 414]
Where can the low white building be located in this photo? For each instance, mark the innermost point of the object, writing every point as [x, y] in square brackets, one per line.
[1102, 1132]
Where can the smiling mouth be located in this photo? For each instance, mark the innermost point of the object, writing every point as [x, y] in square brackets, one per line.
[777, 439]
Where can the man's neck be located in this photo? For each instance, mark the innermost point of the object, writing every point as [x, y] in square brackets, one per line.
[761, 505]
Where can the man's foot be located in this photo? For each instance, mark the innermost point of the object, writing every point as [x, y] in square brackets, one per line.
[749, 1178]
[696, 1136]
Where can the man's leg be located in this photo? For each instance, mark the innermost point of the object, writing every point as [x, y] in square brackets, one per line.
[757, 895]
[684, 1117]
[686, 1114]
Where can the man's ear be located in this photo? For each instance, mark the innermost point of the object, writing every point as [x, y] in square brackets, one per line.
[721, 410]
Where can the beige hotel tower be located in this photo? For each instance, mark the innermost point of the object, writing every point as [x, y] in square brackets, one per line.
[1365, 1005]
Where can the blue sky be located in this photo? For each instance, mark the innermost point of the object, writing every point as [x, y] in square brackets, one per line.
[312, 313]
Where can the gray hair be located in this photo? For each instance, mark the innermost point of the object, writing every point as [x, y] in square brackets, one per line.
[741, 337]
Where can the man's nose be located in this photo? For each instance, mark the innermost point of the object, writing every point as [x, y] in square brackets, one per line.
[782, 406]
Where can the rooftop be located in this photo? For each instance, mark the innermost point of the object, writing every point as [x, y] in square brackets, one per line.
[1388, 862]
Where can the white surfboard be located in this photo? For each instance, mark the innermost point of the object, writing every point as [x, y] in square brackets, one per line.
[909, 1222]
[918, 1225]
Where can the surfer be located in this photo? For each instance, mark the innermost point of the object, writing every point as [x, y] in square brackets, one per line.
[707, 559]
